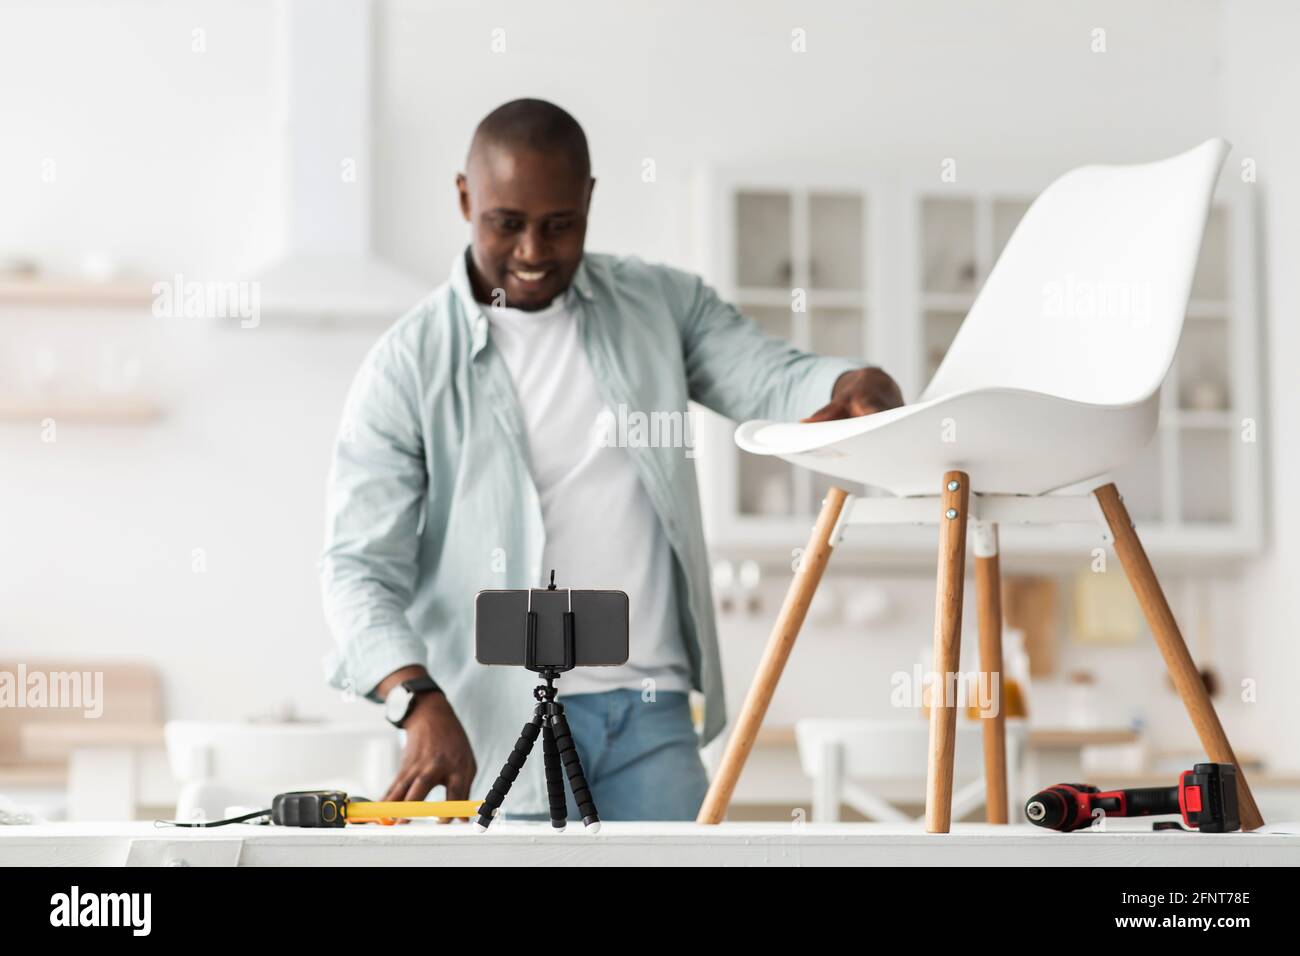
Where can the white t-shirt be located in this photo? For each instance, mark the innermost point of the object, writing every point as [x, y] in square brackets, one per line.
[601, 529]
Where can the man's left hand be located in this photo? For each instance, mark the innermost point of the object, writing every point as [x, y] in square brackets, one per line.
[859, 392]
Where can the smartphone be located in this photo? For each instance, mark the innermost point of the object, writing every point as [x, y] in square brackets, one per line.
[600, 631]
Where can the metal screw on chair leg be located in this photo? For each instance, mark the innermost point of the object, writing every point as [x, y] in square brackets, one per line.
[951, 513]
[954, 485]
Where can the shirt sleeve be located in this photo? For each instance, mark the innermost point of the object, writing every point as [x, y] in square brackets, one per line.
[375, 500]
[737, 370]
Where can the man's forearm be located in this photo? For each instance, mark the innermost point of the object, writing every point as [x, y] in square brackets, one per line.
[366, 615]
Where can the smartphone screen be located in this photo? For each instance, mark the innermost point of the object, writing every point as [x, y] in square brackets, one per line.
[600, 626]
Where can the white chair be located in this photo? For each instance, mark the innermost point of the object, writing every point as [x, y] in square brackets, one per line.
[225, 764]
[1052, 381]
[852, 761]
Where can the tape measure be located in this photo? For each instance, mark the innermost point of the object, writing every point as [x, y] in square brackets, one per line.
[333, 808]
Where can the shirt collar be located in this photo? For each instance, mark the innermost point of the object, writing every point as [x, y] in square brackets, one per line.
[477, 321]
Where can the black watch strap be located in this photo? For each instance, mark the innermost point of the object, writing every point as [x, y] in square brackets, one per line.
[419, 685]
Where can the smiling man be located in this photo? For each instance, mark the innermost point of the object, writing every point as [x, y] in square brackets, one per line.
[475, 453]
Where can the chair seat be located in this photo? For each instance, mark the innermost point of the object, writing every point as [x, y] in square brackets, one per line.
[1009, 441]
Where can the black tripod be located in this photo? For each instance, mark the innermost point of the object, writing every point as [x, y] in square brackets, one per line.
[557, 742]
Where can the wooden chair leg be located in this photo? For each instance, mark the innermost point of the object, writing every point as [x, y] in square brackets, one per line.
[947, 651]
[779, 645]
[1178, 660]
[988, 600]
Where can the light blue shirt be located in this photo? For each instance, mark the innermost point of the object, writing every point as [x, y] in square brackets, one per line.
[430, 497]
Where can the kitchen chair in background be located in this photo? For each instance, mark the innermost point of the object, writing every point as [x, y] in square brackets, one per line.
[848, 759]
[1052, 381]
[225, 764]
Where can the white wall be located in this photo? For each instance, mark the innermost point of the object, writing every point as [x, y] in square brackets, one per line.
[1259, 104]
[160, 153]
[166, 157]
[688, 83]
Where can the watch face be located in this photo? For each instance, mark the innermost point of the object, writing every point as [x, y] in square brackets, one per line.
[397, 703]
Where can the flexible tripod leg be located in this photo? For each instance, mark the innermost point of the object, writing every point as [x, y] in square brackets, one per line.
[573, 767]
[513, 764]
[554, 777]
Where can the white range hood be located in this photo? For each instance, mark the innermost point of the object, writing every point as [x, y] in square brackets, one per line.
[325, 267]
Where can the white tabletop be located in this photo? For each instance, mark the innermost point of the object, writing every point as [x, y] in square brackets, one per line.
[1124, 843]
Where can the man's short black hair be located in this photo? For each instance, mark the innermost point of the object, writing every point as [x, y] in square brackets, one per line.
[533, 124]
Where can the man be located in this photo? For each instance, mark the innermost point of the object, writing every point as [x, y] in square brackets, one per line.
[475, 453]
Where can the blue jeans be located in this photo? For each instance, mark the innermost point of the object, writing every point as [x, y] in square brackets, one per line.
[641, 758]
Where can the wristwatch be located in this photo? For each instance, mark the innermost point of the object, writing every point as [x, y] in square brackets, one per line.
[400, 700]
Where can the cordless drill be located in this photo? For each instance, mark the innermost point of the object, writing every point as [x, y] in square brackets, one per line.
[1206, 796]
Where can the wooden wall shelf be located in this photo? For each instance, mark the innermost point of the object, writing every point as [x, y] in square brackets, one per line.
[82, 293]
[87, 410]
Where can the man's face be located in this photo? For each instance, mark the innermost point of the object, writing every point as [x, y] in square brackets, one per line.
[528, 216]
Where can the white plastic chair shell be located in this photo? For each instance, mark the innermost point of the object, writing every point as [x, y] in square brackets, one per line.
[1054, 376]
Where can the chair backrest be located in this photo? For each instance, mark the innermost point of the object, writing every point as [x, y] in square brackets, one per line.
[1087, 300]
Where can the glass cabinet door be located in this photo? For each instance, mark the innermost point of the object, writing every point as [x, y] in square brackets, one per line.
[800, 273]
[764, 256]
